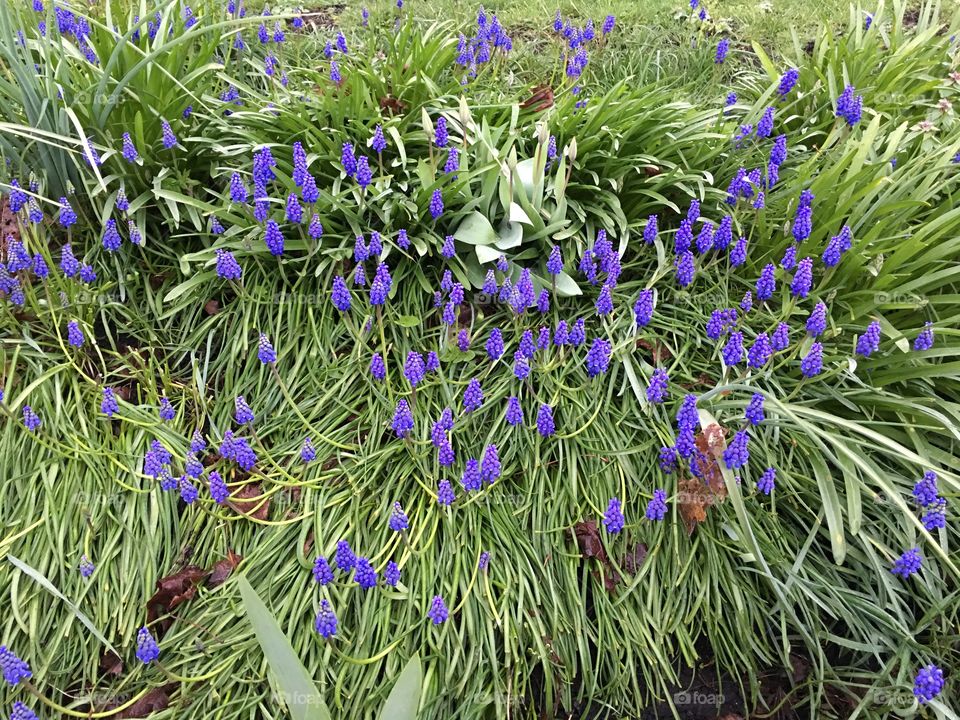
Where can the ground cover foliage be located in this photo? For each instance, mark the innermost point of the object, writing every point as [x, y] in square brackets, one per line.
[210, 268]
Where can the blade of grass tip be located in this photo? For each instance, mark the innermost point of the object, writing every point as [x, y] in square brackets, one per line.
[404, 698]
[41, 580]
[298, 688]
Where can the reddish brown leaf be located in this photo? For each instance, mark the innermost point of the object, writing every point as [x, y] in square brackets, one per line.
[634, 558]
[222, 570]
[693, 499]
[392, 106]
[651, 171]
[110, 663]
[212, 307]
[156, 699]
[588, 538]
[173, 590]
[249, 500]
[541, 99]
[9, 227]
[658, 351]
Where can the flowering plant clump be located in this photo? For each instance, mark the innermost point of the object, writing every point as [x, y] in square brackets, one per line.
[345, 306]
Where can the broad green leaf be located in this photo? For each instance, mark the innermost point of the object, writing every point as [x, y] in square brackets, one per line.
[404, 698]
[476, 230]
[299, 692]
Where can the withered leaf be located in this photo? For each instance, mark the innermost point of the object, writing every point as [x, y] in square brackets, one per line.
[156, 699]
[634, 558]
[222, 570]
[212, 307]
[249, 500]
[110, 663]
[173, 590]
[540, 99]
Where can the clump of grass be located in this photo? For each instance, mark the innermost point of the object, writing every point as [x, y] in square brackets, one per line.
[566, 615]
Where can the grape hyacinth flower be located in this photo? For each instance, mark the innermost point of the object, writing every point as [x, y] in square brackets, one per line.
[402, 423]
[658, 389]
[598, 357]
[445, 494]
[378, 142]
[67, 216]
[218, 488]
[685, 268]
[767, 481]
[335, 77]
[109, 406]
[849, 106]
[803, 279]
[545, 423]
[521, 366]
[74, 334]
[413, 369]
[398, 518]
[438, 612]
[147, 648]
[472, 396]
[471, 479]
[307, 452]
[448, 250]
[657, 507]
[343, 556]
[494, 345]
[928, 683]
[433, 362]
[812, 363]
[273, 238]
[733, 350]
[787, 82]
[391, 574]
[908, 563]
[436, 204]
[440, 135]
[722, 48]
[613, 519]
[111, 237]
[341, 294]
[925, 491]
[326, 622]
[129, 150]
[227, 266]
[738, 255]
[754, 411]
[453, 163]
[737, 452]
[760, 352]
[322, 572]
[169, 139]
[869, 342]
[643, 308]
[766, 284]
[765, 125]
[490, 466]
[21, 711]
[604, 303]
[14, 669]
[924, 341]
[86, 567]
[514, 415]
[265, 352]
[378, 368]
[31, 420]
[364, 173]
[817, 322]
[555, 261]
